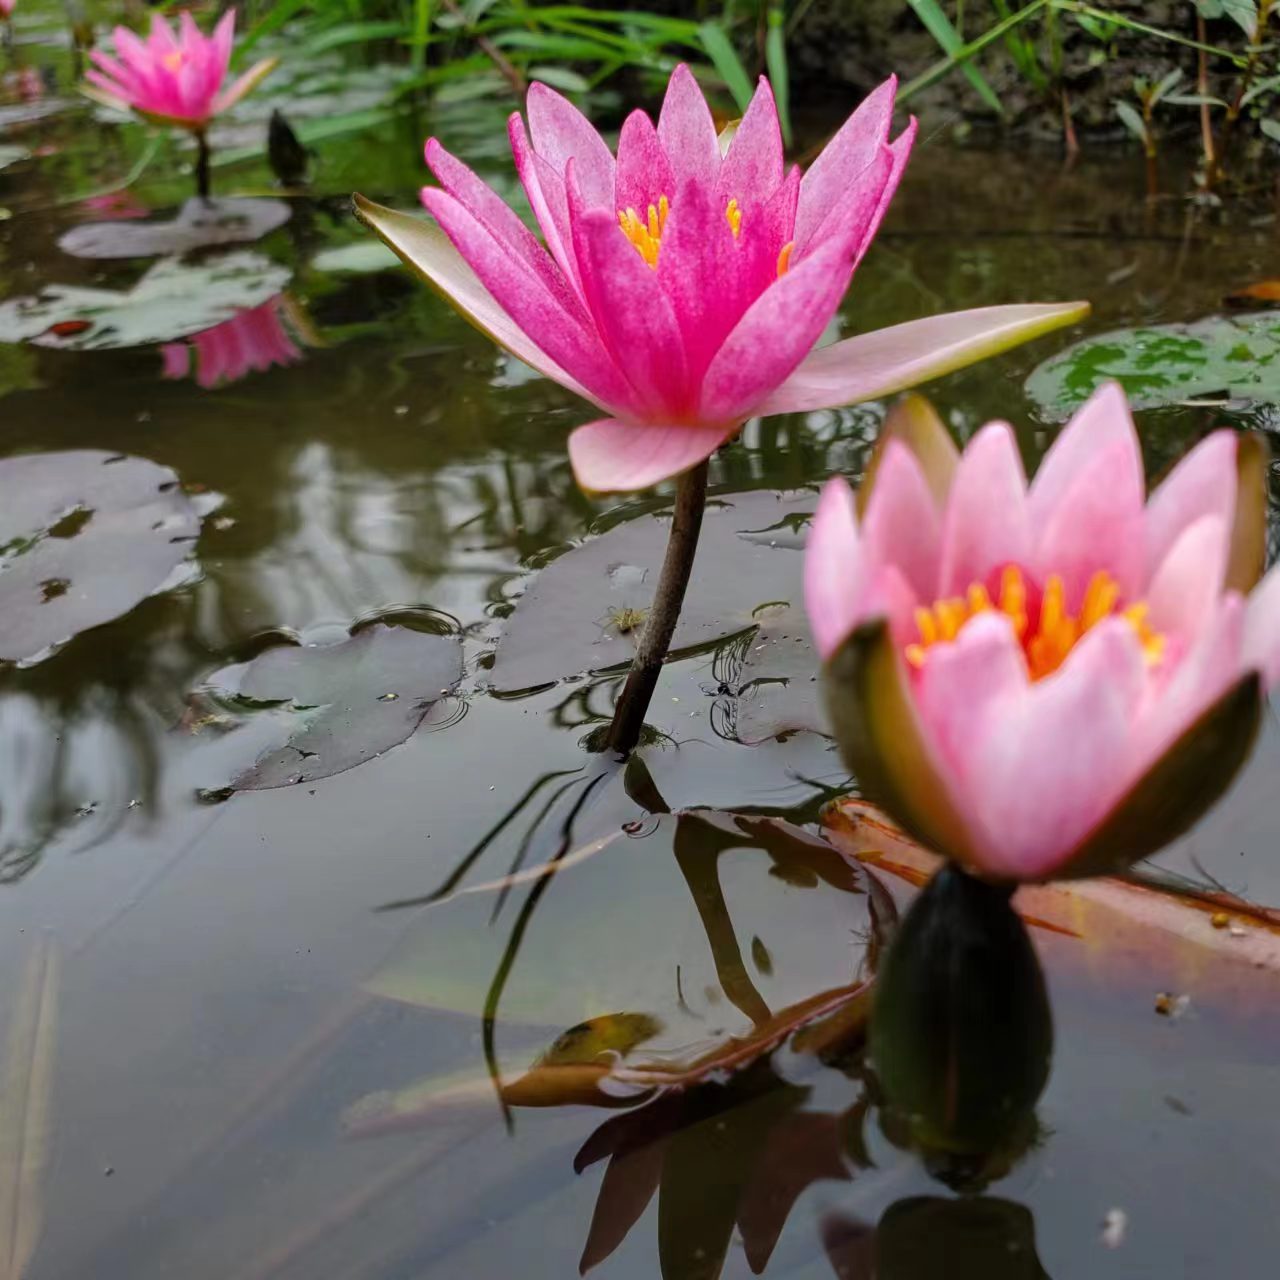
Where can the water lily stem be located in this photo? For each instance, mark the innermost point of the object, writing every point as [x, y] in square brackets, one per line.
[202, 165]
[651, 652]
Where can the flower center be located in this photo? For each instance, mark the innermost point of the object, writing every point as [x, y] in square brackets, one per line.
[173, 61]
[1051, 635]
[646, 233]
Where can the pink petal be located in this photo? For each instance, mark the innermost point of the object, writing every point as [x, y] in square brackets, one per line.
[502, 222]
[1184, 590]
[687, 132]
[632, 314]
[843, 159]
[1262, 629]
[526, 300]
[177, 359]
[1055, 759]
[766, 228]
[833, 569]
[900, 150]
[609, 456]
[753, 166]
[986, 525]
[778, 331]
[1104, 423]
[1202, 484]
[644, 173]
[876, 364]
[561, 133]
[547, 198]
[1095, 525]
[902, 525]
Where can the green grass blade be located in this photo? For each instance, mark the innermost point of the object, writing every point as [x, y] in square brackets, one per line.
[724, 57]
[949, 40]
[775, 60]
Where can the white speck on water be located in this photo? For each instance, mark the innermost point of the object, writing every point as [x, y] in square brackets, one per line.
[1114, 1227]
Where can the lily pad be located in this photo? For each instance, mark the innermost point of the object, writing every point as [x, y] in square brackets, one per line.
[349, 702]
[1235, 357]
[778, 684]
[362, 258]
[200, 224]
[12, 155]
[84, 536]
[584, 611]
[172, 300]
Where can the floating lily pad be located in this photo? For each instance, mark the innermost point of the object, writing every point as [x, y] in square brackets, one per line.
[200, 224]
[779, 687]
[11, 155]
[584, 611]
[361, 258]
[1223, 356]
[84, 536]
[172, 300]
[349, 702]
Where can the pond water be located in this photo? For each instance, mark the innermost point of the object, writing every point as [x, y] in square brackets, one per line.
[271, 1056]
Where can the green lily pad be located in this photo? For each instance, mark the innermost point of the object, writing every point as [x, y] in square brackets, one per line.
[84, 536]
[584, 611]
[1237, 357]
[362, 258]
[200, 224]
[173, 299]
[347, 702]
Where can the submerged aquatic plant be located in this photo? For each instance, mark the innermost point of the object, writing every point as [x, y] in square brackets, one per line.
[174, 77]
[1048, 680]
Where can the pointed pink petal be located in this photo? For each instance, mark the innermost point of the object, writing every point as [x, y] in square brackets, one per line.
[753, 166]
[632, 314]
[833, 572]
[1262, 629]
[902, 525]
[986, 525]
[766, 228]
[1104, 421]
[546, 194]
[1094, 526]
[502, 222]
[1054, 761]
[1184, 590]
[560, 132]
[222, 40]
[900, 150]
[521, 294]
[644, 173]
[244, 85]
[876, 364]
[843, 159]
[609, 456]
[1202, 484]
[687, 132]
[161, 39]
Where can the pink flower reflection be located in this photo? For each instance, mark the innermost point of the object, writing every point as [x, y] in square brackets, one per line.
[116, 206]
[253, 341]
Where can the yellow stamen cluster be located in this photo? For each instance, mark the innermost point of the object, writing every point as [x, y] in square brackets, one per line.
[173, 61]
[646, 232]
[734, 214]
[1056, 631]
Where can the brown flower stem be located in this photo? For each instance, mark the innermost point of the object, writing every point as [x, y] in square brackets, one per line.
[202, 165]
[651, 652]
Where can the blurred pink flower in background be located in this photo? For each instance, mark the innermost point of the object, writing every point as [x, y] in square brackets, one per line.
[172, 77]
[115, 206]
[1051, 679]
[253, 341]
[6, 8]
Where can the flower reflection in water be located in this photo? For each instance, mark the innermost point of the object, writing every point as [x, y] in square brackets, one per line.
[252, 341]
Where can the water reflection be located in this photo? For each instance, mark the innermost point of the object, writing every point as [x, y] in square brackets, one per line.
[255, 340]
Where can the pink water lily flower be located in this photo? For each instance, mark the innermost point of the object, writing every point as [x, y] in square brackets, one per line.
[252, 341]
[173, 77]
[6, 8]
[681, 286]
[1051, 679]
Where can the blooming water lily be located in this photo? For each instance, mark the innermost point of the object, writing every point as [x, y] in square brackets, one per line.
[173, 77]
[683, 285]
[1051, 679]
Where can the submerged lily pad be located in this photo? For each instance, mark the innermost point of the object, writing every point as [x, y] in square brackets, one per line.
[351, 701]
[200, 224]
[584, 611]
[1225, 356]
[84, 536]
[172, 300]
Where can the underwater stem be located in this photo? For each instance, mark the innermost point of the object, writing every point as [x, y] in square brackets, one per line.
[677, 564]
[202, 165]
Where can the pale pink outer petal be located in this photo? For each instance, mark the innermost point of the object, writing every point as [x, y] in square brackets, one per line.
[609, 456]
[560, 133]
[876, 364]
[242, 85]
[829, 177]
[753, 166]
[545, 191]
[523, 297]
[1262, 629]
[1183, 592]
[901, 525]
[643, 174]
[833, 569]
[1202, 484]
[986, 525]
[900, 150]
[1055, 758]
[177, 359]
[687, 131]
[1102, 423]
